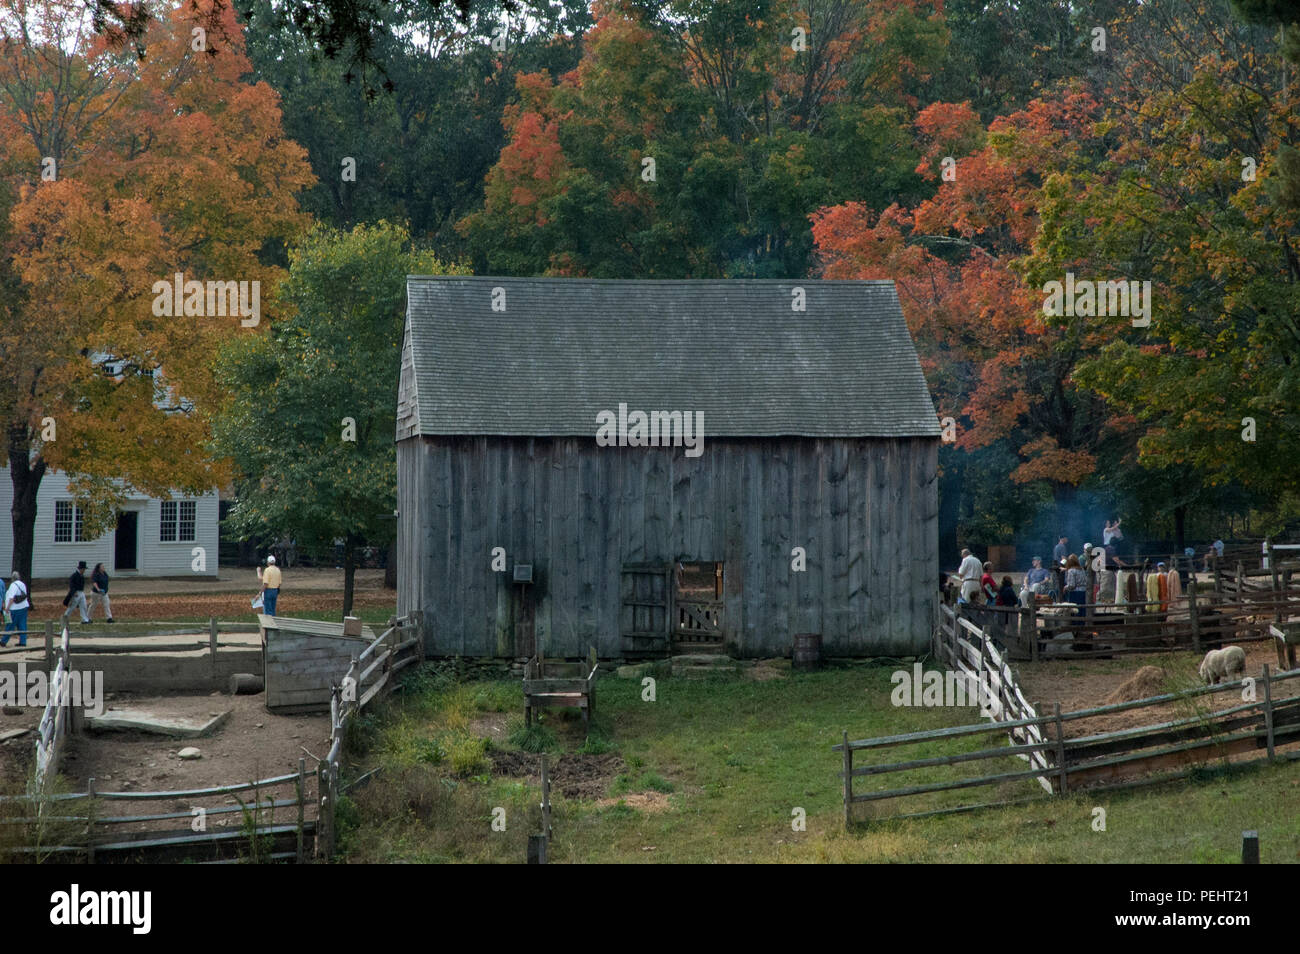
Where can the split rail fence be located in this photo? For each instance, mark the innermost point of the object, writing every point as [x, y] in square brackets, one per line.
[274, 821]
[1211, 723]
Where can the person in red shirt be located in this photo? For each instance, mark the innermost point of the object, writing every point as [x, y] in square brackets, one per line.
[988, 586]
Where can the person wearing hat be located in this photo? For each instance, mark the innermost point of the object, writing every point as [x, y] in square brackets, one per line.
[76, 598]
[270, 586]
[16, 605]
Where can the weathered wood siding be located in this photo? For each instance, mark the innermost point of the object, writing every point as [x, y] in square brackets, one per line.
[865, 510]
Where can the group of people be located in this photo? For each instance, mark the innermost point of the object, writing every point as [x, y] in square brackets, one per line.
[1066, 580]
[978, 584]
[76, 598]
[18, 600]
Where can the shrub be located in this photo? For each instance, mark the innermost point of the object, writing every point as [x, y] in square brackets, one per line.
[533, 738]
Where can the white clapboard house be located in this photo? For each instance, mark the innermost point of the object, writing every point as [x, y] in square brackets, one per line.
[152, 538]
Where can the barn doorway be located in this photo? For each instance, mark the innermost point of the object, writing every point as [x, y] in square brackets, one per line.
[697, 607]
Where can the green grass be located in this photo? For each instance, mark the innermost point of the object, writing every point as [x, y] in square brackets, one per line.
[739, 758]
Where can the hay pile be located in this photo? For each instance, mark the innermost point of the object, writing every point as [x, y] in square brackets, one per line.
[1147, 681]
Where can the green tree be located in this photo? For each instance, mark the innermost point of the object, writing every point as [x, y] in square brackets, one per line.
[313, 406]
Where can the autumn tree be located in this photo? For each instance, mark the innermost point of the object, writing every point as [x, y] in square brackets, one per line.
[122, 173]
[995, 366]
[1188, 196]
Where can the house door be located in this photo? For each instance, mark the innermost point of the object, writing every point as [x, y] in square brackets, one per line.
[646, 611]
[697, 608]
[125, 541]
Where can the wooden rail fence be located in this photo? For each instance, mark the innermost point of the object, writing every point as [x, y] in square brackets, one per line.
[1258, 720]
[53, 727]
[370, 673]
[275, 824]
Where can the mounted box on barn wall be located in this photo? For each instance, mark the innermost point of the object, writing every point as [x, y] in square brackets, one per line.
[616, 430]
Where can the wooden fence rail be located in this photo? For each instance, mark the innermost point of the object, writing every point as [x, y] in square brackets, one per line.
[82, 822]
[383, 658]
[53, 727]
[1256, 720]
[84, 829]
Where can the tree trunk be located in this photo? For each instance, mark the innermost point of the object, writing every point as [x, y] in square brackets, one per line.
[26, 478]
[1180, 521]
[390, 567]
[349, 571]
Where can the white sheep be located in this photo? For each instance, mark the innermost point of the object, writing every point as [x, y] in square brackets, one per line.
[1220, 664]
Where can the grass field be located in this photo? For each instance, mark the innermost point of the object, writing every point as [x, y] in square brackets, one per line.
[712, 771]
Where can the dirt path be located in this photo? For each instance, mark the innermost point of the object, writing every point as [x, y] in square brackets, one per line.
[252, 744]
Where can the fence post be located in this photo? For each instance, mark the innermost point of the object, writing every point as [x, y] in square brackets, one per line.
[1029, 628]
[1193, 613]
[90, 821]
[546, 799]
[1268, 711]
[848, 779]
[1250, 847]
[302, 806]
[1277, 589]
[49, 645]
[212, 644]
[1060, 751]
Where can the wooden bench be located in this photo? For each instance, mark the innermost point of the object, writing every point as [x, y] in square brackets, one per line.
[549, 684]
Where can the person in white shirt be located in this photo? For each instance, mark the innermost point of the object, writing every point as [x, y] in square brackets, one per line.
[16, 605]
[969, 571]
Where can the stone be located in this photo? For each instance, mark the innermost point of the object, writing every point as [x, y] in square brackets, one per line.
[635, 672]
[156, 722]
[13, 710]
[189, 752]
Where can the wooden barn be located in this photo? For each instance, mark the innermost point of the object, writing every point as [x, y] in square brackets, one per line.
[792, 489]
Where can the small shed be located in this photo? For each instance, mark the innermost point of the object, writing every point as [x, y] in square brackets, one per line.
[656, 466]
[303, 658]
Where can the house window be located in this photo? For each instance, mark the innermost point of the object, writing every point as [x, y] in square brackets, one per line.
[187, 520]
[177, 523]
[67, 522]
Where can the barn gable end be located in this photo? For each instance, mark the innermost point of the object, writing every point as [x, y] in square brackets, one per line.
[819, 433]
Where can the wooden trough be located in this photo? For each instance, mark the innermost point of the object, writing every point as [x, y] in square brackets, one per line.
[560, 685]
[302, 658]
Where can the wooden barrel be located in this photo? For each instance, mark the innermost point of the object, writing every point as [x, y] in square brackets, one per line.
[807, 651]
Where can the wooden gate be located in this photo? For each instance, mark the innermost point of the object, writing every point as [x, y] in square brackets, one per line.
[646, 613]
[697, 607]
[699, 625]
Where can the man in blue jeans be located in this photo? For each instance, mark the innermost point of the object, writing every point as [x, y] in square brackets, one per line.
[270, 586]
[16, 604]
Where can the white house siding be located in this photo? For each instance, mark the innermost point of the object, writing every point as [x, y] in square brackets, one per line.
[153, 556]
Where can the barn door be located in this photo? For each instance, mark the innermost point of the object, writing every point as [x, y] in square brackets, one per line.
[646, 612]
[697, 608]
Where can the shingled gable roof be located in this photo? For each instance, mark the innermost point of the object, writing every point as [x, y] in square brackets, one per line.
[565, 349]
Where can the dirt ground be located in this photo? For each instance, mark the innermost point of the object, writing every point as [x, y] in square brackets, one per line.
[1089, 684]
[252, 744]
[228, 597]
[575, 775]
